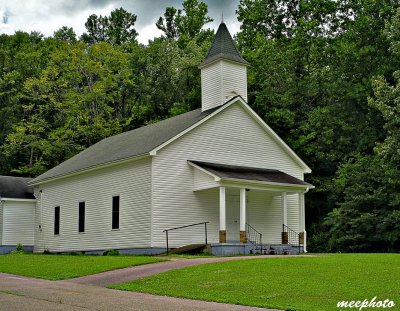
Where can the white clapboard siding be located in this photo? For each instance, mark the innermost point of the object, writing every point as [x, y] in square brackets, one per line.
[293, 212]
[234, 80]
[222, 80]
[211, 87]
[231, 137]
[1, 222]
[202, 180]
[206, 210]
[18, 222]
[131, 181]
[265, 215]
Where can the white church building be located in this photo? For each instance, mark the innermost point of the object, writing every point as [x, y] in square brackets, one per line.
[219, 174]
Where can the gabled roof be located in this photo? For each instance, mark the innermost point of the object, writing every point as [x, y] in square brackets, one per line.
[230, 172]
[148, 140]
[126, 145]
[223, 47]
[15, 188]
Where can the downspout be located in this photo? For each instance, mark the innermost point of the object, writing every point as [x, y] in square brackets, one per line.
[2, 227]
[41, 210]
[38, 197]
[304, 215]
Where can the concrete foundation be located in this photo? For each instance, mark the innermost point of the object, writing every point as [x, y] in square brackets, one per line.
[6, 249]
[229, 249]
[132, 251]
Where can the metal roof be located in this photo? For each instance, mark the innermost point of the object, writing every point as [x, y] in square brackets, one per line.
[224, 171]
[15, 188]
[223, 47]
[126, 145]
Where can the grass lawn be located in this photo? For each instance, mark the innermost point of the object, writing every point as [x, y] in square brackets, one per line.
[59, 267]
[293, 283]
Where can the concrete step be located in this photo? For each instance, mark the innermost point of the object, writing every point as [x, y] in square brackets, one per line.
[280, 249]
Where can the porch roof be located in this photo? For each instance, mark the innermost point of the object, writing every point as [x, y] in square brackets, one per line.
[232, 172]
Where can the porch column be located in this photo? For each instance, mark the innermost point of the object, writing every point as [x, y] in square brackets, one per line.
[284, 218]
[243, 238]
[302, 220]
[222, 215]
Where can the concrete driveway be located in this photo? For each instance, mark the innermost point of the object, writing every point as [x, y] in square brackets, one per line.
[89, 293]
[129, 274]
[20, 293]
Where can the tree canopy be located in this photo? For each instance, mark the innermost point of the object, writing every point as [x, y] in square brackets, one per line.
[118, 28]
[186, 24]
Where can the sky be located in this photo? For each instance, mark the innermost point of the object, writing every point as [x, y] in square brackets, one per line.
[47, 16]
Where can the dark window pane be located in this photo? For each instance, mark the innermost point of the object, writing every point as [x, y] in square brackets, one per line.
[81, 216]
[57, 220]
[115, 212]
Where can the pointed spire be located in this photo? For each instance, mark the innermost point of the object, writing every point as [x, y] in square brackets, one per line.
[222, 17]
[223, 47]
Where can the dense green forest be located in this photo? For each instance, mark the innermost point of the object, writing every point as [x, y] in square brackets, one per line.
[325, 75]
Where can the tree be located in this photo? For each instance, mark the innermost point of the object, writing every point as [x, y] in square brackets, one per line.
[386, 100]
[295, 20]
[75, 102]
[65, 34]
[116, 29]
[186, 24]
[366, 186]
[121, 27]
[22, 56]
[168, 23]
[97, 29]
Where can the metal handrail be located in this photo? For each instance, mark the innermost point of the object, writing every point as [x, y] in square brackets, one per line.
[293, 236]
[196, 224]
[254, 237]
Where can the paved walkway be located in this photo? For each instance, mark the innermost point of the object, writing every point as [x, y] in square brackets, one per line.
[20, 294]
[129, 274]
[89, 292]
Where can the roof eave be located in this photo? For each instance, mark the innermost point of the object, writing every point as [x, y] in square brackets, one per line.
[17, 199]
[209, 62]
[36, 182]
[267, 183]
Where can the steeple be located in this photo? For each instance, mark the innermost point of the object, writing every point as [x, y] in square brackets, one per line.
[223, 71]
[223, 47]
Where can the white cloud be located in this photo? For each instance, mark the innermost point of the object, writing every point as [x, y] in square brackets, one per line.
[148, 32]
[48, 16]
[44, 16]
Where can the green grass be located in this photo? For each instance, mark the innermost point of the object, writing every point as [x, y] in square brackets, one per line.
[293, 283]
[59, 267]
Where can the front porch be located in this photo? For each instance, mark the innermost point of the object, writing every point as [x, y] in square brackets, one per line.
[255, 215]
